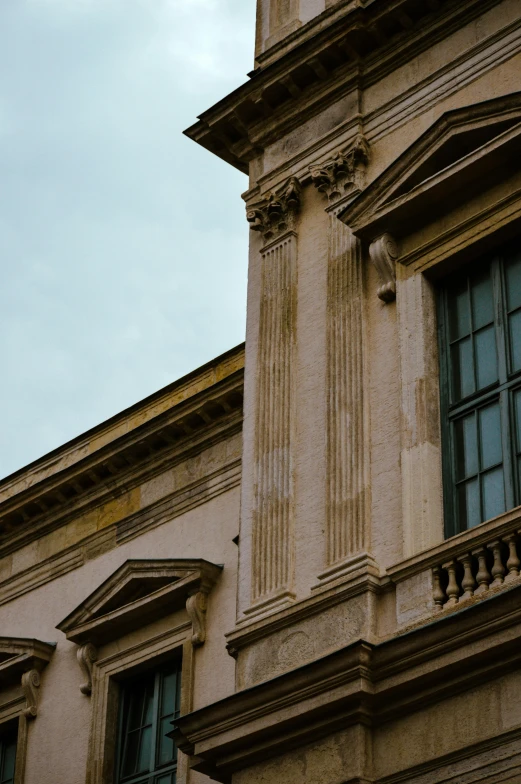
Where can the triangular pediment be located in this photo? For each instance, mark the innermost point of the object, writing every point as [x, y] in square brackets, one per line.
[139, 592]
[19, 655]
[475, 144]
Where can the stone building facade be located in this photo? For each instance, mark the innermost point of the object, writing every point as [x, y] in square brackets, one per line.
[302, 561]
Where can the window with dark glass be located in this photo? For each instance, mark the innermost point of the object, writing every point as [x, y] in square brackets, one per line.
[480, 358]
[7, 755]
[148, 706]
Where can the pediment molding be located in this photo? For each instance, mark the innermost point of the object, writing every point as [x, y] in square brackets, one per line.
[21, 662]
[473, 146]
[139, 592]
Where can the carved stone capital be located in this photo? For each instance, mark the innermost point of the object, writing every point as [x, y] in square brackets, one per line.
[384, 254]
[87, 654]
[30, 686]
[276, 213]
[344, 172]
[196, 606]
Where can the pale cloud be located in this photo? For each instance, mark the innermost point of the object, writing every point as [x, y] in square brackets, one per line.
[123, 244]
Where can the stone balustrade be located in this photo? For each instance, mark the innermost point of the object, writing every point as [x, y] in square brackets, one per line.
[477, 570]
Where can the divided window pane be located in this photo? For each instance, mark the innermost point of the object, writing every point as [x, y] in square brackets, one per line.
[148, 706]
[481, 342]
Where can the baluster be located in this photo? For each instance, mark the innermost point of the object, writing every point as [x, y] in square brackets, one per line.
[438, 592]
[483, 576]
[453, 587]
[468, 583]
[498, 570]
[513, 562]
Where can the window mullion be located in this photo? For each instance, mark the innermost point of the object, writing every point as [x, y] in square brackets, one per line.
[505, 396]
[155, 722]
[449, 491]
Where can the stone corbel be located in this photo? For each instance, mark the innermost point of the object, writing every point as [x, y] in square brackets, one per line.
[344, 172]
[87, 654]
[196, 606]
[384, 254]
[30, 687]
[276, 213]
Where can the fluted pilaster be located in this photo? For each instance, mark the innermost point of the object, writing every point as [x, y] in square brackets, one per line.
[273, 505]
[347, 470]
[347, 476]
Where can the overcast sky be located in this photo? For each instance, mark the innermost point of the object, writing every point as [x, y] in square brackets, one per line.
[123, 244]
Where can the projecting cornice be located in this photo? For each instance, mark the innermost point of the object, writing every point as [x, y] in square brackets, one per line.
[337, 51]
[172, 425]
[364, 684]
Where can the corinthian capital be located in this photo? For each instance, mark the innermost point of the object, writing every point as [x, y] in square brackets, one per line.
[276, 213]
[344, 172]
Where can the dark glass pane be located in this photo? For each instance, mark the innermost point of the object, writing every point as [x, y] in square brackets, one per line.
[459, 311]
[168, 692]
[514, 325]
[145, 750]
[462, 369]
[490, 436]
[130, 754]
[468, 504]
[482, 300]
[135, 710]
[8, 761]
[493, 488]
[513, 283]
[141, 700]
[166, 747]
[148, 709]
[466, 443]
[486, 357]
[167, 778]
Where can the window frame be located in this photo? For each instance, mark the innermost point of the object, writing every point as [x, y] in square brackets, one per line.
[509, 381]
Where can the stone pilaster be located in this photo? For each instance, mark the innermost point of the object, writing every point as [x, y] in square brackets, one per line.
[346, 533]
[421, 453]
[273, 499]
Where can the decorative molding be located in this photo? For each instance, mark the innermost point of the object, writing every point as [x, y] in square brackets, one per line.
[344, 173]
[180, 431]
[275, 214]
[30, 688]
[87, 654]
[112, 609]
[196, 607]
[384, 254]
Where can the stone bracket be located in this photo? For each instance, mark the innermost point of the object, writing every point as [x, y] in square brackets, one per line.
[196, 606]
[30, 688]
[87, 654]
[384, 255]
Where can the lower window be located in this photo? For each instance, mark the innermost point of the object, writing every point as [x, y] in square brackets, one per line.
[7, 755]
[148, 705]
